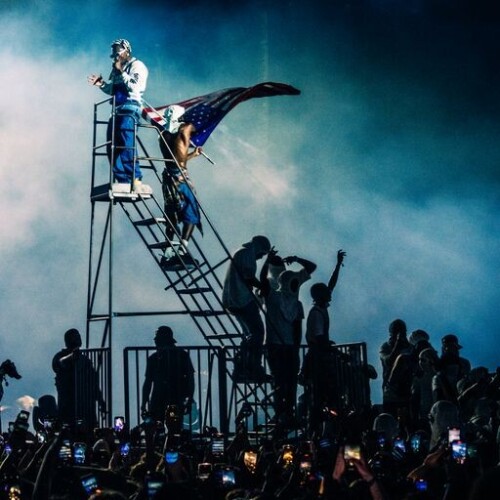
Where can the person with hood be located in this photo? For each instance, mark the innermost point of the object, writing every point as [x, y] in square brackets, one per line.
[239, 300]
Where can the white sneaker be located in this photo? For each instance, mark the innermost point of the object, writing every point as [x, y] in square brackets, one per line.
[120, 187]
[169, 253]
[141, 188]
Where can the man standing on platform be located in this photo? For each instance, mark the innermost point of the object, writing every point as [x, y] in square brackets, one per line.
[127, 83]
[78, 391]
[239, 299]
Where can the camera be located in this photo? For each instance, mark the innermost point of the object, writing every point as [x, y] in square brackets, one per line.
[14, 491]
[225, 476]
[119, 424]
[79, 453]
[287, 455]
[352, 451]
[421, 485]
[204, 471]
[381, 440]
[250, 460]
[228, 477]
[415, 443]
[65, 453]
[459, 451]
[125, 449]
[89, 483]
[305, 465]
[171, 456]
[218, 446]
[153, 486]
[400, 444]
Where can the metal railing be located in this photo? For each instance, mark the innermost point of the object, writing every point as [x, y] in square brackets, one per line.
[218, 401]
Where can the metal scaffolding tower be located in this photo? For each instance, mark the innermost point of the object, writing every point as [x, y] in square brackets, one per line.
[196, 290]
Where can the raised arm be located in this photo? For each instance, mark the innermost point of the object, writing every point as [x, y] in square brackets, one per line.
[335, 275]
[309, 266]
[263, 276]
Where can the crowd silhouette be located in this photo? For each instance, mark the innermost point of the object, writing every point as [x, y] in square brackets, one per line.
[434, 436]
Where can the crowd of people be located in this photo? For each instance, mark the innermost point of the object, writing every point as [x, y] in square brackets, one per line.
[434, 436]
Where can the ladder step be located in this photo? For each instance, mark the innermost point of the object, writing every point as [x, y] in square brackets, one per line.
[193, 291]
[261, 427]
[204, 314]
[224, 336]
[154, 159]
[105, 193]
[161, 245]
[152, 221]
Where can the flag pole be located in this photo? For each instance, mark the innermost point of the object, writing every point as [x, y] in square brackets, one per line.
[190, 142]
[202, 153]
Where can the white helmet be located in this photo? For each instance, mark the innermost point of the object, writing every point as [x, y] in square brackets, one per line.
[125, 44]
[172, 115]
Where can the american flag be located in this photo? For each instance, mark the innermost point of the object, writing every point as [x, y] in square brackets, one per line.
[206, 111]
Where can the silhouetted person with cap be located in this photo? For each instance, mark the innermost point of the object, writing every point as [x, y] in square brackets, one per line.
[169, 378]
[451, 368]
[239, 299]
[77, 384]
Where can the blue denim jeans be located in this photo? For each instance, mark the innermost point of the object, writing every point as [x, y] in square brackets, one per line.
[126, 118]
[190, 213]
